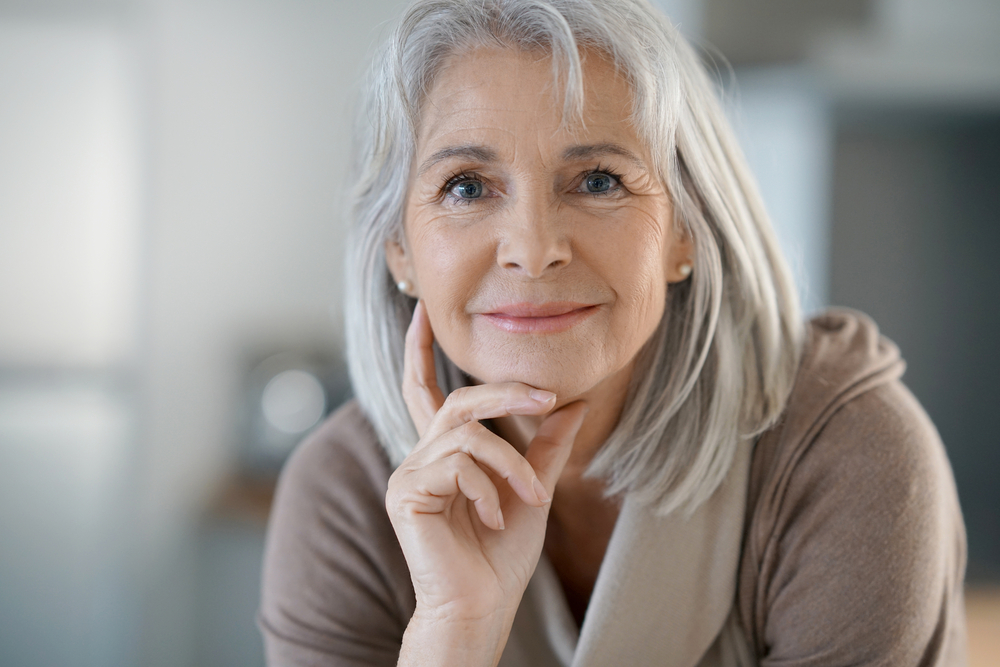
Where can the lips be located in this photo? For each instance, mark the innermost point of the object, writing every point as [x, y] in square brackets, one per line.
[550, 317]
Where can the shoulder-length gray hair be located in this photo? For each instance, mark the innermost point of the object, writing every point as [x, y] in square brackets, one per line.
[720, 372]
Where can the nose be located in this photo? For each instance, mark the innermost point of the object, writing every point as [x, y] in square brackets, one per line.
[534, 241]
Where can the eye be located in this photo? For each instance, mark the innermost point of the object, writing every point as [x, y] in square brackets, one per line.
[466, 189]
[598, 183]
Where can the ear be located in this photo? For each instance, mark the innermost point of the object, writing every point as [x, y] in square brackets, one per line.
[398, 262]
[680, 257]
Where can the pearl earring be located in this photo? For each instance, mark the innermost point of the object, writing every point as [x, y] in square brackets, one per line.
[685, 269]
[404, 286]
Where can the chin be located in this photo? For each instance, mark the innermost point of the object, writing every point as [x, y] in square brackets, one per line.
[567, 383]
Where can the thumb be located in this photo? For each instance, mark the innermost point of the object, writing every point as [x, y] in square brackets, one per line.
[550, 448]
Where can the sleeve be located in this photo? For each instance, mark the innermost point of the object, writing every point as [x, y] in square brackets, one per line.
[866, 561]
[335, 590]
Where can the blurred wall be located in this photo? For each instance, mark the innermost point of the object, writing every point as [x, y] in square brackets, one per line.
[171, 183]
[784, 122]
[251, 108]
[70, 189]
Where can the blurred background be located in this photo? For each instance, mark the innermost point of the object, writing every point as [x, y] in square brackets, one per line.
[172, 187]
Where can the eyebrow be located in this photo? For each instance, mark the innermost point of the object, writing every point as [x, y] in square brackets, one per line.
[477, 153]
[486, 155]
[597, 150]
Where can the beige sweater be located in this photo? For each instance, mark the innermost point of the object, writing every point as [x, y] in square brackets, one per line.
[837, 540]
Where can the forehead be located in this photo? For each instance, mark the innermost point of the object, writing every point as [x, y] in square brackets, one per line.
[513, 94]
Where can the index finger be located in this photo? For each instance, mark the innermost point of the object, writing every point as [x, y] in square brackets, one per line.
[549, 450]
[420, 388]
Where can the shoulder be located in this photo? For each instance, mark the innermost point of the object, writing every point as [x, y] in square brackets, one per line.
[335, 583]
[876, 462]
[848, 406]
[855, 543]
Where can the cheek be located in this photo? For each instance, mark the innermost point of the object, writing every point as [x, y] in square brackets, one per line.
[642, 299]
[632, 259]
[449, 265]
[632, 255]
[438, 259]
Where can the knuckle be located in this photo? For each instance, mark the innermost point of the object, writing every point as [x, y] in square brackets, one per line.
[471, 431]
[393, 490]
[458, 400]
[455, 463]
[460, 394]
[392, 502]
[413, 385]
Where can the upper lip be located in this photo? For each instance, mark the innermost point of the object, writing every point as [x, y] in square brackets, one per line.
[548, 309]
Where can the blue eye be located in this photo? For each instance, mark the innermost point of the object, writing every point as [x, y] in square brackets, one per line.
[598, 183]
[468, 189]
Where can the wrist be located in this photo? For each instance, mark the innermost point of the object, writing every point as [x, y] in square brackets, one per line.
[443, 638]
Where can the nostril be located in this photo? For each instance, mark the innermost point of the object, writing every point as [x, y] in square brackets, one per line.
[534, 253]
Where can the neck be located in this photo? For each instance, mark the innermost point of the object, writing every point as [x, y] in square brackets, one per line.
[606, 401]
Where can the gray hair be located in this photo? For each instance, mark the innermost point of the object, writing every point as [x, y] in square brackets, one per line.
[719, 368]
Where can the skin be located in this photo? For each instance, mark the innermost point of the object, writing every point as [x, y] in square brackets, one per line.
[541, 212]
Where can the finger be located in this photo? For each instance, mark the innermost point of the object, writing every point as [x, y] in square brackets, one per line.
[550, 448]
[488, 450]
[432, 488]
[420, 388]
[488, 401]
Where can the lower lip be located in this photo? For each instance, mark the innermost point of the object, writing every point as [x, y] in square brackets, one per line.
[537, 325]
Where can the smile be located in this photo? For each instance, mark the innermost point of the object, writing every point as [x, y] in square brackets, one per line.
[553, 317]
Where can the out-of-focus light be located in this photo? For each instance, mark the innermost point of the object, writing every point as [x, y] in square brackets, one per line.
[293, 401]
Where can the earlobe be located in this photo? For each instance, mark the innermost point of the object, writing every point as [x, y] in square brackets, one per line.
[398, 263]
[681, 260]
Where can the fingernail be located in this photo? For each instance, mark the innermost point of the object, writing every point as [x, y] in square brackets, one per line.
[500, 519]
[541, 395]
[540, 491]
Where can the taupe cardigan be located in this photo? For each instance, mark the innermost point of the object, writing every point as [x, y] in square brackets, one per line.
[835, 540]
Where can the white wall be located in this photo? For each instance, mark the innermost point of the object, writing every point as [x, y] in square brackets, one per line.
[69, 228]
[785, 125]
[921, 53]
[687, 15]
[171, 181]
[250, 132]
[68, 194]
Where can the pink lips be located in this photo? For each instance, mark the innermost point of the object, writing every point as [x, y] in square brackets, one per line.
[551, 317]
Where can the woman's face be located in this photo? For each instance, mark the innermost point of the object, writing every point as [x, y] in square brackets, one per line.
[542, 249]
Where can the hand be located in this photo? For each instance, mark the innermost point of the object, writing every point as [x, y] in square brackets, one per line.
[468, 509]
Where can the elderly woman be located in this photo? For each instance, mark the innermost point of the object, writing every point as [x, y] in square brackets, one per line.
[590, 427]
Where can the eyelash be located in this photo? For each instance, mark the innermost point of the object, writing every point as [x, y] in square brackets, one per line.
[462, 176]
[454, 180]
[607, 172]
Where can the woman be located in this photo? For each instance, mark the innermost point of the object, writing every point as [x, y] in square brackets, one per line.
[604, 437]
